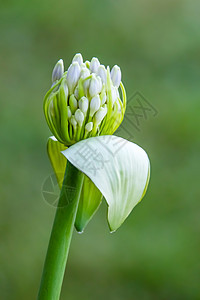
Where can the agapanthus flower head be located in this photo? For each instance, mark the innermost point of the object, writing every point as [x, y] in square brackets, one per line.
[84, 101]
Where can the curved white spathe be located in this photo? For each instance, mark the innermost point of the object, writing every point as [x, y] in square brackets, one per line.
[119, 169]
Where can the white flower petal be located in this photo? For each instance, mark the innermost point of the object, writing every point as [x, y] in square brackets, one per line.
[118, 168]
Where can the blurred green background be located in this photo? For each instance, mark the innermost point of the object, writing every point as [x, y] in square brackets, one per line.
[156, 253]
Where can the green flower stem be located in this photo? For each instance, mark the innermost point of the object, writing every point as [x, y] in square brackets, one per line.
[61, 234]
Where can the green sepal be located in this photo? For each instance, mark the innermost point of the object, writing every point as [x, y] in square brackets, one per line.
[89, 203]
[57, 160]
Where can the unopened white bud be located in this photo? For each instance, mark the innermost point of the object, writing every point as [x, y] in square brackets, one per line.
[100, 83]
[86, 85]
[100, 114]
[76, 92]
[95, 86]
[83, 104]
[85, 72]
[79, 116]
[73, 121]
[89, 126]
[114, 94]
[73, 103]
[102, 73]
[69, 113]
[64, 90]
[94, 105]
[103, 97]
[58, 70]
[78, 57]
[116, 75]
[94, 65]
[73, 75]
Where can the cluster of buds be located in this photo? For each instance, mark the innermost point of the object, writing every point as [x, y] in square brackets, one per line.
[84, 101]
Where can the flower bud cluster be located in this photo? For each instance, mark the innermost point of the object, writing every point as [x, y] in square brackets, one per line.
[84, 101]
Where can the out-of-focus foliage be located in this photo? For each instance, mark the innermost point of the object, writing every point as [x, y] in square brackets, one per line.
[155, 254]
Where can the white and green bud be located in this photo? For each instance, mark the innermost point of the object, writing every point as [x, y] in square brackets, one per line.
[94, 65]
[114, 94]
[78, 57]
[83, 104]
[69, 113]
[89, 126]
[58, 71]
[100, 83]
[73, 103]
[63, 90]
[100, 115]
[102, 73]
[116, 75]
[73, 75]
[76, 92]
[95, 86]
[85, 94]
[86, 85]
[94, 105]
[103, 97]
[79, 116]
[73, 122]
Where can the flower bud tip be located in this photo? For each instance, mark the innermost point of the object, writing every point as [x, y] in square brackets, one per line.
[94, 105]
[83, 104]
[100, 114]
[102, 73]
[116, 75]
[73, 103]
[79, 116]
[94, 65]
[89, 126]
[95, 86]
[73, 75]
[73, 121]
[69, 113]
[78, 58]
[58, 70]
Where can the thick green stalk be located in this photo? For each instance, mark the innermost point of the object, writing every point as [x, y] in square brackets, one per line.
[61, 234]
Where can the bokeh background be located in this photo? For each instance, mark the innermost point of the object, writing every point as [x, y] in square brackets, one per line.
[156, 253]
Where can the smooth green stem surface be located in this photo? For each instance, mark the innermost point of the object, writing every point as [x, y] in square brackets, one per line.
[56, 258]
